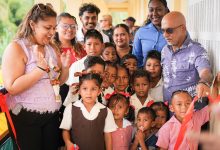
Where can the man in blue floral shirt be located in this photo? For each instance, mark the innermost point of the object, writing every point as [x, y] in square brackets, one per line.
[185, 62]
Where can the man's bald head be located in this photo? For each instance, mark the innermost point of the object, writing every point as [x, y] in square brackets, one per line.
[174, 30]
[174, 17]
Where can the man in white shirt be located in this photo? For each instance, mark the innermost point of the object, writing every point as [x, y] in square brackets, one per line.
[88, 14]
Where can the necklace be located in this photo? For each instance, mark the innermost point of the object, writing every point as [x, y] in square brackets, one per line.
[54, 73]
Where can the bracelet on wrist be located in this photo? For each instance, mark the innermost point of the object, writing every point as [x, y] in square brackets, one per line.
[205, 83]
[46, 70]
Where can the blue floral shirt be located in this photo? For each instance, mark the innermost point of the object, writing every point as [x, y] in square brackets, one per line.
[181, 68]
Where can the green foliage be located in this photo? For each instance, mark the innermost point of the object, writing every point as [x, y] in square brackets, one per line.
[12, 13]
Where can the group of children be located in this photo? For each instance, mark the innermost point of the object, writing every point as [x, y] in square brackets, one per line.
[113, 105]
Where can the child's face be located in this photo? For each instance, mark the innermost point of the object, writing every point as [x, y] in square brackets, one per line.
[89, 91]
[180, 104]
[109, 54]
[153, 67]
[109, 76]
[144, 121]
[97, 68]
[131, 64]
[122, 80]
[160, 119]
[118, 108]
[93, 47]
[141, 86]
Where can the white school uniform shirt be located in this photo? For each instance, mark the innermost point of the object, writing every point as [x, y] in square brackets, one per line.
[77, 66]
[80, 36]
[157, 92]
[137, 104]
[66, 123]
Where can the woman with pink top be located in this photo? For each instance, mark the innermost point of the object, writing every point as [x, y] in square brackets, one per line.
[33, 70]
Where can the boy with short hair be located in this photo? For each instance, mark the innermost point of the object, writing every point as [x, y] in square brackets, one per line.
[168, 133]
[93, 46]
[141, 85]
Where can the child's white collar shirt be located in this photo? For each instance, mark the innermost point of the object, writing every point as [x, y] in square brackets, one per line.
[66, 123]
[134, 101]
[157, 92]
[94, 111]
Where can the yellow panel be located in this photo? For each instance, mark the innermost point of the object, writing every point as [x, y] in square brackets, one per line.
[4, 127]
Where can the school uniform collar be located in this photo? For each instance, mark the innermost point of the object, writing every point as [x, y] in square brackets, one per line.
[94, 111]
[174, 120]
[149, 98]
[125, 123]
[159, 83]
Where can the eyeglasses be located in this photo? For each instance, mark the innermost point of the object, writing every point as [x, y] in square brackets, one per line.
[170, 30]
[67, 26]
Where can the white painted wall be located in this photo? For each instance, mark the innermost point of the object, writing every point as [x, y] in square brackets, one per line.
[203, 22]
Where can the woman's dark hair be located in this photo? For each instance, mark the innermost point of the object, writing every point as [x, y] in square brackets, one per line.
[140, 73]
[90, 8]
[119, 97]
[164, 2]
[90, 76]
[160, 106]
[65, 15]
[90, 61]
[128, 56]
[149, 111]
[93, 33]
[38, 12]
[121, 26]
[78, 47]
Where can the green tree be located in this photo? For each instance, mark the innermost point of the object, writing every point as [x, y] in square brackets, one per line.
[12, 13]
